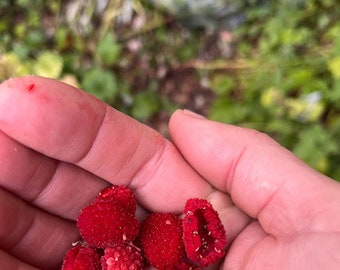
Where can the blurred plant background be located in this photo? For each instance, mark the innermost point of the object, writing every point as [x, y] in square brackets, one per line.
[269, 65]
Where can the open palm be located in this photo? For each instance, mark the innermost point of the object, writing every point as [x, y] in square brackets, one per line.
[59, 147]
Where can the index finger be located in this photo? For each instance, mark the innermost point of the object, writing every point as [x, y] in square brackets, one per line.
[69, 125]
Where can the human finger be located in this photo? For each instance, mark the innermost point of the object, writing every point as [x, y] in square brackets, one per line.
[263, 179]
[33, 236]
[10, 262]
[66, 124]
[55, 186]
[234, 220]
[238, 255]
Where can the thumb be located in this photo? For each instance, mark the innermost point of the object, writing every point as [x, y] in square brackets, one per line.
[263, 179]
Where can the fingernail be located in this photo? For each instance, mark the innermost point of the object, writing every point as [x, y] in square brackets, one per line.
[193, 114]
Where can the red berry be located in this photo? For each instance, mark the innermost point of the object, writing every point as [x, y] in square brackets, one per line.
[203, 233]
[81, 257]
[122, 257]
[119, 194]
[161, 240]
[110, 219]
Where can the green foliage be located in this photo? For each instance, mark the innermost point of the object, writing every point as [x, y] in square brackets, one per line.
[283, 77]
[145, 105]
[292, 92]
[108, 50]
[48, 64]
[315, 145]
[100, 83]
[222, 84]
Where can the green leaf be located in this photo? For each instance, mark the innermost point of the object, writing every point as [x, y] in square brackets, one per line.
[222, 84]
[102, 84]
[34, 39]
[108, 50]
[271, 97]
[145, 105]
[315, 145]
[334, 93]
[227, 111]
[21, 50]
[48, 64]
[11, 65]
[298, 77]
[61, 37]
[334, 67]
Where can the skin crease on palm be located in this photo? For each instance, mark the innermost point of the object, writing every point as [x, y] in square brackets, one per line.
[60, 146]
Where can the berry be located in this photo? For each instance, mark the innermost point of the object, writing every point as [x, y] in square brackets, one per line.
[118, 194]
[110, 219]
[161, 240]
[203, 233]
[122, 257]
[110, 231]
[81, 257]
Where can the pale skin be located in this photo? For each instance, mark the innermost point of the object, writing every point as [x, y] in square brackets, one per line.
[59, 147]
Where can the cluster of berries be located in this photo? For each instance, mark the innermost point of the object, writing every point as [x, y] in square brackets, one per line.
[113, 237]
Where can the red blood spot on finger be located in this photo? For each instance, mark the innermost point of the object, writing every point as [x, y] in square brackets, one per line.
[30, 87]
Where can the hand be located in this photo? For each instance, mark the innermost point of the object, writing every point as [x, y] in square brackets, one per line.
[294, 210]
[60, 146]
